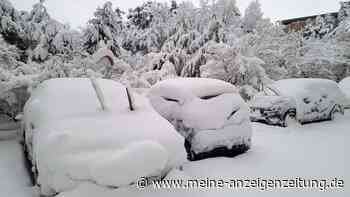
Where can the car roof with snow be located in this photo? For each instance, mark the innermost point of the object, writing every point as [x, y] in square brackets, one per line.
[69, 121]
[200, 87]
[63, 98]
[72, 103]
[292, 87]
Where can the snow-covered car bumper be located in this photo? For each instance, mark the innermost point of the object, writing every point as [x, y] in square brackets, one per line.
[230, 140]
[229, 137]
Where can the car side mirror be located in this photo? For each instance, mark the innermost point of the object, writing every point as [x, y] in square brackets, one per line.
[19, 117]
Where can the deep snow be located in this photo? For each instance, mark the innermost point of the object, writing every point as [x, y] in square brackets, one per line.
[73, 141]
[209, 113]
[313, 150]
[14, 177]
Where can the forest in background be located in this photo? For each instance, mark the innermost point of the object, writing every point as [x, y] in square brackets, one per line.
[156, 41]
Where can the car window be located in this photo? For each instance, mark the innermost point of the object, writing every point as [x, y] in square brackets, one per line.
[170, 99]
[233, 113]
[209, 97]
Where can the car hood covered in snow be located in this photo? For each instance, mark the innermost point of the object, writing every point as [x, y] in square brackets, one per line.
[185, 89]
[80, 143]
[267, 102]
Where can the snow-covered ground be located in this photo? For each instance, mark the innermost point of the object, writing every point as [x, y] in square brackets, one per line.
[14, 177]
[315, 151]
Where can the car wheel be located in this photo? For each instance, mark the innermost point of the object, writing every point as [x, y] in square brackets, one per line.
[336, 113]
[290, 119]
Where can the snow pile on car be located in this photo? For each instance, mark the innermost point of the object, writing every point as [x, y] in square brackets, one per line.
[214, 124]
[74, 141]
[306, 91]
[210, 112]
[182, 90]
[198, 86]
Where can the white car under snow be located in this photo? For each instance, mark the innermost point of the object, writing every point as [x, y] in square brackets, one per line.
[71, 140]
[345, 87]
[303, 100]
[209, 113]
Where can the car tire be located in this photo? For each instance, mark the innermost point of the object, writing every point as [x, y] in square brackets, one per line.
[336, 112]
[289, 119]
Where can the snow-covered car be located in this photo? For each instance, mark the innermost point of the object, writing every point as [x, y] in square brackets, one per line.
[345, 87]
[80, 130]
[289, 101]
[209, 113]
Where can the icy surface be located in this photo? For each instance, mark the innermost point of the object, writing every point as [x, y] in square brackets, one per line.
[74, 141]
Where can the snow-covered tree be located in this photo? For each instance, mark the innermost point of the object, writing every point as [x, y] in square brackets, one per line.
[15, 78]
[106, 25]
[344, 11]
[226, 63]
[253, 14]
[142, 16]
[227, 11]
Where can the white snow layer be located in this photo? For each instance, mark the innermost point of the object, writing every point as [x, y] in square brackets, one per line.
[311, 89]
[14, 177]
[296, 88]
[222, 120]
[345, 87]
[212, 124]
[199, 87]
[313, 151]
[74, 141]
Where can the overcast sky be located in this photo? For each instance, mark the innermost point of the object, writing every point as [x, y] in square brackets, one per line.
[77, 12]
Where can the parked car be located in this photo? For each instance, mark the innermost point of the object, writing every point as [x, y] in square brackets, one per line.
[345, 87]
[80, 130]
[209, 113]
[290, 101]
